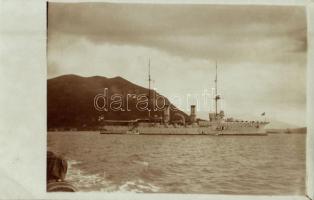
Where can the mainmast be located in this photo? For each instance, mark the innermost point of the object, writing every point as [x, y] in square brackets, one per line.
[216, 93]
[149, 80]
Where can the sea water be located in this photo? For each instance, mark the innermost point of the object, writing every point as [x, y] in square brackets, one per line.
[257, 165]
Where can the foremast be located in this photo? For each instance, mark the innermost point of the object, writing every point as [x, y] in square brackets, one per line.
[217, 97]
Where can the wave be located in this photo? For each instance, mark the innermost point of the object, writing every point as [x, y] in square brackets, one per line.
[99, 182]
[150, 173]
[138, 186]
[135, 157]
[144, 163]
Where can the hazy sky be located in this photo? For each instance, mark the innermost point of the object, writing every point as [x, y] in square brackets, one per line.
[261, 52]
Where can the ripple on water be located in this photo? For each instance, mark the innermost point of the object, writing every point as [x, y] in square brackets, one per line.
[235, 165]
[102, 182]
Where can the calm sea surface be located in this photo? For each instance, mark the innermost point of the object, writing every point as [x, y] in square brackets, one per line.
[273, 164]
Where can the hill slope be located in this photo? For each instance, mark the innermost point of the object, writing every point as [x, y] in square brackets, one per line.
[70, 101]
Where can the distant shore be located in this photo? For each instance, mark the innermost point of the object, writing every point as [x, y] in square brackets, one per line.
[287, 130]
[301, 130]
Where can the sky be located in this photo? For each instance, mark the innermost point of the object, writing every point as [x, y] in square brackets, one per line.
[260, 53]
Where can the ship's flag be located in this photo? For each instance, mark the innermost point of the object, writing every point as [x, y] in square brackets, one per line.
[263, 114]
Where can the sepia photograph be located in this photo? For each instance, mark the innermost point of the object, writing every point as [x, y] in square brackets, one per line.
[176, 98]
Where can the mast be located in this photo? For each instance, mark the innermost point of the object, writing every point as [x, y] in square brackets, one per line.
[149, 80]
[217, 97]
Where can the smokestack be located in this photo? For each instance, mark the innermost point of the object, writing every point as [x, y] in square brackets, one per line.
[193, 114]
[167, 114]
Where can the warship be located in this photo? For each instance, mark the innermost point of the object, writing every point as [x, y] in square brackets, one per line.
[216, 124]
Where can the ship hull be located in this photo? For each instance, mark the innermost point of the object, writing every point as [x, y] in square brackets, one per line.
[227, 129]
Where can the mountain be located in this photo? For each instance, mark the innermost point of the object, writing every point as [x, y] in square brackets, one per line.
[71, 98]
[276, 124]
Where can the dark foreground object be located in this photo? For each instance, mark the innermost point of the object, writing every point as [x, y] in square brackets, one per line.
[56, 171]
[61, 186]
